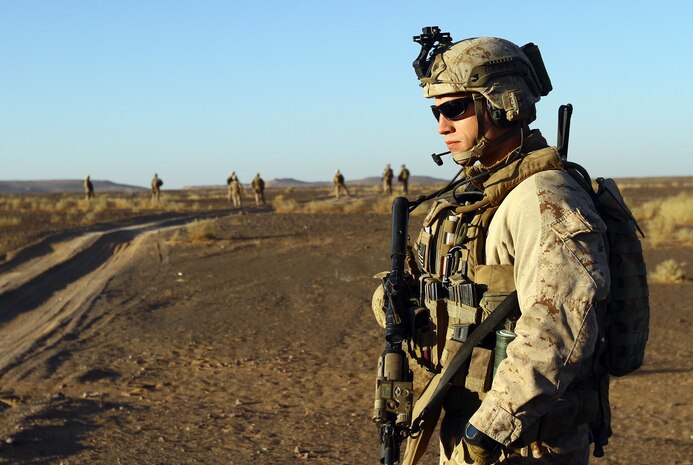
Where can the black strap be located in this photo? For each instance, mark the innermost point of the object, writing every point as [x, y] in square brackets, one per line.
[492, 321]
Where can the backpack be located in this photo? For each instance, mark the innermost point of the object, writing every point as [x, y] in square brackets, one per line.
[627, 315]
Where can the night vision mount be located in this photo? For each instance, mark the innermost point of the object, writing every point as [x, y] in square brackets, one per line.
[431, 41]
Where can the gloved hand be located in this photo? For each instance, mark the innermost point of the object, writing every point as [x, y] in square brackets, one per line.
[481, 448]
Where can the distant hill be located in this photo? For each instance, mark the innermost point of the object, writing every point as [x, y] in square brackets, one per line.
[50, 186]
[281, 183]
[375, 180]
[369, 181]
[291, 182]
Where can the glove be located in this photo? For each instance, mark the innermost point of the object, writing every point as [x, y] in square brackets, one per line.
[481, 448]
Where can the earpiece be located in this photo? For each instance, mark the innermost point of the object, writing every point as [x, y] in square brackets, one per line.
[498, 116]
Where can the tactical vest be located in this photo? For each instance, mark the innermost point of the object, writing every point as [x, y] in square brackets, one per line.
[457, 287]
[459, 290]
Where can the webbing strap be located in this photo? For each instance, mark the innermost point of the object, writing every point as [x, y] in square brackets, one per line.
[439, 385]
[492, 321]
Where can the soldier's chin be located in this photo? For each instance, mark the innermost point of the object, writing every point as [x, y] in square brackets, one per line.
[463, 158]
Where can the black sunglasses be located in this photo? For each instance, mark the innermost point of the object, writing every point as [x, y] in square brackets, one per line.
[452, 109]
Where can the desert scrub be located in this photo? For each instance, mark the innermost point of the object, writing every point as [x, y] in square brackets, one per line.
[669, 271]
[667, 220]
[89, 217]
[198, 231]
[64, 204]
[10, 220]
[95, 205]
[282, 205]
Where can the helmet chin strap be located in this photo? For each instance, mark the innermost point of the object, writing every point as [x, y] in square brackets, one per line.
[468, 157]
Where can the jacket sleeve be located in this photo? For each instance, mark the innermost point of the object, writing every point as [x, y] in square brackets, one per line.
[548, 229]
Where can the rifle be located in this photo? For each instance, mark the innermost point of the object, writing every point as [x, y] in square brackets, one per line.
[394, 391]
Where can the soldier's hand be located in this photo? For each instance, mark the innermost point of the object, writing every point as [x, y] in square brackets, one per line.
[481, 448]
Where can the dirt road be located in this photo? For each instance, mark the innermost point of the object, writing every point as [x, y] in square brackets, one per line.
[259, 346]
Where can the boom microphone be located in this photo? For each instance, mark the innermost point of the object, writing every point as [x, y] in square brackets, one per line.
[436, 157]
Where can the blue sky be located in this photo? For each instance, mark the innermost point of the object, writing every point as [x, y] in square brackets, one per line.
[298, 88]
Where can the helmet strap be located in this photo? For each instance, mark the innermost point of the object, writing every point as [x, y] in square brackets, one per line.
[468, 157]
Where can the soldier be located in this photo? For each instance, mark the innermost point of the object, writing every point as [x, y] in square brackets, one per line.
[258, 186]
[234, 190]
[88, 188]
[404, 179]
[523, 224]
[387, 180]
[339, 185]
[156, 187]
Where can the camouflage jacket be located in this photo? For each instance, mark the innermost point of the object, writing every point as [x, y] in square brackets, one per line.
[547, 228]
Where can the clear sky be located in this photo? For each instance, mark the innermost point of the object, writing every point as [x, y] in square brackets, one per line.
[299, 88]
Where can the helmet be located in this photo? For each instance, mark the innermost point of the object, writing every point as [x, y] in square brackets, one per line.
[512, 79]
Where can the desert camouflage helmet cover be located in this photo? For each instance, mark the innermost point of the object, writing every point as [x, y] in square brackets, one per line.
[495, 68]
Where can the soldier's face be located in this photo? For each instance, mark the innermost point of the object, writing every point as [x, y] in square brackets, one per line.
[459, 133]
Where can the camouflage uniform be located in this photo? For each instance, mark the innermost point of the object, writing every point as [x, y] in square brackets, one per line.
[387, 180]
[404, 179]
[234, 190]
[258, 186]
[88, 188]
[527, 226]
[156, 187]
[548, 230]
[339, 184]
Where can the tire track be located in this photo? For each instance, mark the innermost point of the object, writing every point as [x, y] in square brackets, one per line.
[47, 299]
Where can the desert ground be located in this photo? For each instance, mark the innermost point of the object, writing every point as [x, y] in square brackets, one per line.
[194, 333]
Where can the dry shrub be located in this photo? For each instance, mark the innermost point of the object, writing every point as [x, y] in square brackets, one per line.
[357, 206]
[134, 204]
[173, 206]
[382, 205]
[378, 205]
[669, 219]
[198, 231]
[98, 204]
[10, 220]
[64, 204]
[320, 206]
[282, 205]
[89, 217]
[374, 189]
[669, 271]
[332, 206]
[12, 203]
[685, 236]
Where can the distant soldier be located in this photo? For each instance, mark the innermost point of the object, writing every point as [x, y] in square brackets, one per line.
[404, 179]
[258, 186]
[88, 188]
[156, 187]
[387, 180]
[234, 188]
[338, 182]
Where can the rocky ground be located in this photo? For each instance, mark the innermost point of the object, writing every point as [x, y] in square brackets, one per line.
[256, 343]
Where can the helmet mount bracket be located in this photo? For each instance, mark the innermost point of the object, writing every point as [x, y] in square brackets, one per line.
[431, 41]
